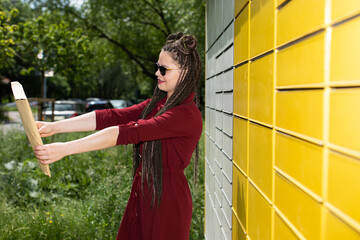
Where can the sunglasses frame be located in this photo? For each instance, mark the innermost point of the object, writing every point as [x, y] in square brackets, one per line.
[162, 69]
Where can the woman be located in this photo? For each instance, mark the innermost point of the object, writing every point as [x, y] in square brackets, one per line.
[164, 130]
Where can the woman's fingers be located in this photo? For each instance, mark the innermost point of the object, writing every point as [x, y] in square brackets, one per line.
[50, 153]
[45, 129]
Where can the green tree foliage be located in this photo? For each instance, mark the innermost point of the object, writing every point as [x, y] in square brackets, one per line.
[7, 32]
[106, 48]
[55, 45]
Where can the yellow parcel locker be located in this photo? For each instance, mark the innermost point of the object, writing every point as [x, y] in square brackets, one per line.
[241, 36]
[343, 8]
[259, 216]
[282, 231]
[238, 5]
[240, 143]
[300, 112]
[241, 90]
[300, 159]
[299, 208]
[237, 231]
[262, 89]
[301, 63]
[260, 158]
[261, 27]
[345, 118]
[298, 18]
[343, 184]
[336, 229]
[345, 49]
[240, 193]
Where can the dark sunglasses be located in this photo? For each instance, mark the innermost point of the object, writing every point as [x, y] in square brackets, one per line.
[162, 69]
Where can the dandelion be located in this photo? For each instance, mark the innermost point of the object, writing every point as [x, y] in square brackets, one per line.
[61, 215]
[47, 213]
[50, 221]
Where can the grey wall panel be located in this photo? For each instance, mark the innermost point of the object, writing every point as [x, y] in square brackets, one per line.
[226, 188]
[227, 123]
[227, 167]
[228, 102]
[219, 101]
[228, 12]
[227, 145]
[219, 139]
[228, 58]
[228, 35]
[219, 120]
[219, 17]
[228, 80]
[218, 83]
[207, 122]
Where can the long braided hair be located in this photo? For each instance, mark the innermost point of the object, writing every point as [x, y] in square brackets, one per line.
[182, 49]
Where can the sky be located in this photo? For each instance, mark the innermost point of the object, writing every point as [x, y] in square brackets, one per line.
[76, 3]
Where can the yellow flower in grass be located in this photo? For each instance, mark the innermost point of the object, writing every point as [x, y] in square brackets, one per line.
[48, 213]
[50, 221]
[61, 215]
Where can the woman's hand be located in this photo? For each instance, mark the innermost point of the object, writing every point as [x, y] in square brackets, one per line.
[46, 129]
[50, 153]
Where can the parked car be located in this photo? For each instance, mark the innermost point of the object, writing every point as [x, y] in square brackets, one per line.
[64, 109]
[120, 103]
[97, 105]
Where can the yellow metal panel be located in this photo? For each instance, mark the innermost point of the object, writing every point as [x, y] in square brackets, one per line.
[282, 231]
[343, 185]
[300, 159]
[302, 63]
[298, 18]
[300, 111]
[240, 195]
[241, 36]
[345, 118]
[241, 90]
[240, 142]
[303, 211]
[261, 26]
[336, 229]
[345, 49]
[238, 5]
[237, 232]
[259, 216]
[341, 8]
[262, 89]
[279, 2]
[260, 157]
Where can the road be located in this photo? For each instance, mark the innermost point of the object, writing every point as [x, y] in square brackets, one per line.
[14, 123]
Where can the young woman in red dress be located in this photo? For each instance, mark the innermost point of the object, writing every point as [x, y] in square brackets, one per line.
[164, 130]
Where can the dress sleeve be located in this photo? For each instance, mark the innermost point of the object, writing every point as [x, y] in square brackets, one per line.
[176, 122]
[112, 117]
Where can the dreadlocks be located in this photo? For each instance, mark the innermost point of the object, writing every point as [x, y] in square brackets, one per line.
[182, 49]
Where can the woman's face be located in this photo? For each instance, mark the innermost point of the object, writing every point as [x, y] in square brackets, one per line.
[167, 83]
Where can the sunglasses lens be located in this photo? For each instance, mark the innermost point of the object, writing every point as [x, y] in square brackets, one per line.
[162, 70]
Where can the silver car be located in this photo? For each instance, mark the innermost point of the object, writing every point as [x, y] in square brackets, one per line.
[64, 109]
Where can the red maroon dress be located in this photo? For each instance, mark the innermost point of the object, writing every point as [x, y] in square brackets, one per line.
[179, 130]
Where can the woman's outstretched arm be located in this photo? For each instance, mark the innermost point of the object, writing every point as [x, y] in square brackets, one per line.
[82, 123]
[50, 153]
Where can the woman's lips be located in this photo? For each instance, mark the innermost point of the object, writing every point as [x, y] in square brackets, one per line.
[160, 81]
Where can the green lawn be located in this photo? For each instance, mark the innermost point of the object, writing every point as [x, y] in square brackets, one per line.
[85, 197]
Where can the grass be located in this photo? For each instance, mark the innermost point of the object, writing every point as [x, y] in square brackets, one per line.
[84, 199]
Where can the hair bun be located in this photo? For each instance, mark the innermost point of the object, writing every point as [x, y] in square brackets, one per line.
[189, 42]
[174, 36]
[185, 43]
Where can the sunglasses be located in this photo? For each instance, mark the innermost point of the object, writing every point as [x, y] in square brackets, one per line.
[162, 69]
